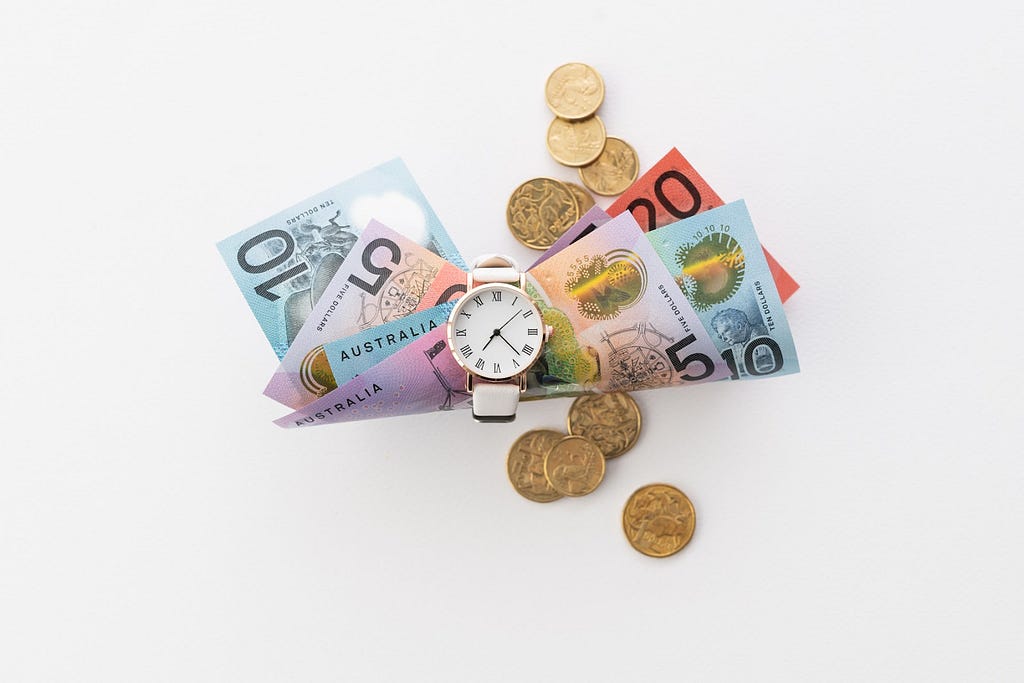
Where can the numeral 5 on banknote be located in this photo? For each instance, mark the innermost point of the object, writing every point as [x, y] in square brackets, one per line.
[385, 277]
[283, 264]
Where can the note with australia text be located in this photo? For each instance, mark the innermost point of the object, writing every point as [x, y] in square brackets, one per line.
[352, 355]
[283, 264]
[719, 266]
[385, 277]
[359, 352]
[619, 320]
[422, 377]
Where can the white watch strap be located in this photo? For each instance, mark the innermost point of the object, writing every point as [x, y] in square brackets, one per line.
[495, 268]
[510, 275]
[493, 402]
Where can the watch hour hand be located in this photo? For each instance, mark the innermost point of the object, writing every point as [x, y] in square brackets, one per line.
[494, 334]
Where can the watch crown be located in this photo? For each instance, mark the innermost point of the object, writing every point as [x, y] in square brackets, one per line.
[548, 331]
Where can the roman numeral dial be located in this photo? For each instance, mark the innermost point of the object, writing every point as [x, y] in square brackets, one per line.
[494, 331]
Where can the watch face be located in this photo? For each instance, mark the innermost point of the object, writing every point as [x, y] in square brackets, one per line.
[495, 331]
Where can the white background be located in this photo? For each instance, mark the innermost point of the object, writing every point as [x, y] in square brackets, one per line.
[859, 521]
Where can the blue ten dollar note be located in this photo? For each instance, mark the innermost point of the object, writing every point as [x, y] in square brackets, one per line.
[284, 263]
[718, 263]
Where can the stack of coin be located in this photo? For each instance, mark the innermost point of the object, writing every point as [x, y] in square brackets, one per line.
[577, 137]
[541, 209]
[545, 465]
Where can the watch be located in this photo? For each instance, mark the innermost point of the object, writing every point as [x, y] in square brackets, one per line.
[496, 333]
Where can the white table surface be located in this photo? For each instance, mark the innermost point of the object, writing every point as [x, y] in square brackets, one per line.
[859, 521]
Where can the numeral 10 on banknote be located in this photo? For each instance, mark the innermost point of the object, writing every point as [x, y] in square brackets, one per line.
[263, 289]
[754, 356]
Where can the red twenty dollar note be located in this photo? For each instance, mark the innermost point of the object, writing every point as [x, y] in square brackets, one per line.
[673, 190]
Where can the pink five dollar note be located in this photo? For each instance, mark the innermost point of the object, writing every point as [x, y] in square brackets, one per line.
[620, 322]
[385, 277]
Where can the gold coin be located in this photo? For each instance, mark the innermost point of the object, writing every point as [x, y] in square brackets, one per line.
[576, 143]
[574, 466]
[574, 91]
[611, 421]
[583, 198]
[540, 210]
[658, 520]
[526, 465]
[614, 171]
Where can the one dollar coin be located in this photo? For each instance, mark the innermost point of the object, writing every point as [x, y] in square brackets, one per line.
[611, 421]
[540, 210]
[658, 520]
[526, 465]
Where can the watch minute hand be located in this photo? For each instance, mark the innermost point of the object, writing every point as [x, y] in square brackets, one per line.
[509, 345]
[507, 322]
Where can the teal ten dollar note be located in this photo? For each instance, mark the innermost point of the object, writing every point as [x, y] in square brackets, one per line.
[284, 263]
[719, 265]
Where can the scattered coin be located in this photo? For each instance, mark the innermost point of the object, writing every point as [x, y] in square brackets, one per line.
[574, 466]
[614, 170]
[583, 198]
[574, 91]
[526, 465]
[611, 421]
[658, 520]
[540, 210]
[576, 143]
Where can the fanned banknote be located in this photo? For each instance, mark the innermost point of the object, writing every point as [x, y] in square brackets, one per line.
[354, 354]
[672, 190]
[359, 352]
[283, 264]
[719, 265]
[423, 377]
[386, 277]
[619, 321]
